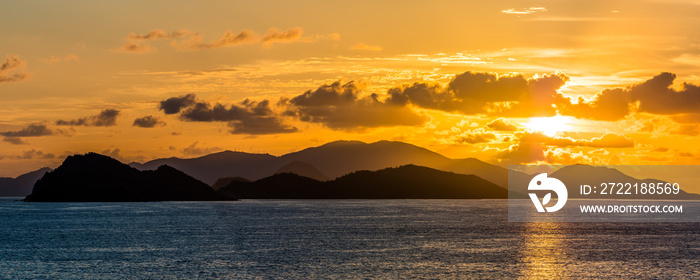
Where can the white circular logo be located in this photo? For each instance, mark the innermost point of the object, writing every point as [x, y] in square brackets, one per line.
[542, 183]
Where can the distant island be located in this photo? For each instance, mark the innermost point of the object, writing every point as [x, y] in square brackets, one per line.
[405, 182]
[97, 178]
[336, 170]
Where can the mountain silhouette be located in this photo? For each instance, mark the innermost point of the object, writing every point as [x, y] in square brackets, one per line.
[303, 169]
[212, 167]
[227, 180]
[405, 182]
[333, 159]
[22, 185]
[95, 177]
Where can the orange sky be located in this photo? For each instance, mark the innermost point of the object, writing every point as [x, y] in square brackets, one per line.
[508, 82]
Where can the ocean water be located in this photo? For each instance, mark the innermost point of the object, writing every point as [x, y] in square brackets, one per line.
[329, 239]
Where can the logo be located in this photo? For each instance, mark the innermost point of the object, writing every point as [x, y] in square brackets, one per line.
[542, 183]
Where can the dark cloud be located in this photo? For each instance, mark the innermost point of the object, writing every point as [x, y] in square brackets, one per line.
[148, 122]
[247, 117]
[259, 126]
[608, 105]
[14, 140]
[31, 130]
[656, 96]
[653, 96]
[501, 125]
[335, 94]
[34, 154]
[173, 105]
[473, 93]
[12, 63]
[660, 150]
[339, 106]
[205, 112]
[277, 36]
[107, 117]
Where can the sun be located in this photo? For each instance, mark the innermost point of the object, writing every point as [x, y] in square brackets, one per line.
[549, 126]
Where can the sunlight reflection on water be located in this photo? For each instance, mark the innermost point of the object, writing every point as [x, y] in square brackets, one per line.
[329, 239]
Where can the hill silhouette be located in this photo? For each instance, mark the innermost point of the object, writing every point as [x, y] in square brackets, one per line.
[405, 182]
[225, 181]
[333, 160]
[22, 185]
[95, 177]
[303, 169]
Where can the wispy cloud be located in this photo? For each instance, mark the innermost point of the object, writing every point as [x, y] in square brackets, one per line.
[31, 130]
[107, 117]
[12, 63]
[188, 40]
[148, 122]
[57, 59]
[526, 11]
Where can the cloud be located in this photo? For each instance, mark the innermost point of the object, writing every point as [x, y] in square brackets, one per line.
[339, 106]
[173, 105]
[14, 140]
[278, 36]
[131, 47]
[653, 96]
[31, 130]
[229, 39]
[660, 150]
[56, 59]
[475, 137]
[247, 117]
[365, 47]
[501, 125]
[609, 140]
[148, 122]
[534, 147]
[526, 11]
[107, 117]
[685, 154]
[114, 153]
[259, 126]
[194, 150]
[188, 40]
[687, 130]
[12, 63]
[159, 34]
[473, 93]
[34, 154]
[561, 156]
[137, 43]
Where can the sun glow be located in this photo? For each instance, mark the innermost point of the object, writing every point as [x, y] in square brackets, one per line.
[549, 126]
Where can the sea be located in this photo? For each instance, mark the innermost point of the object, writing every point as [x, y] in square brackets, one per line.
[329, 239]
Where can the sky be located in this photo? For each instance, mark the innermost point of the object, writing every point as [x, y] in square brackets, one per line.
[508, 82]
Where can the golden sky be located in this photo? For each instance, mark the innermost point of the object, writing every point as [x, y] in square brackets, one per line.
[508, 82]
